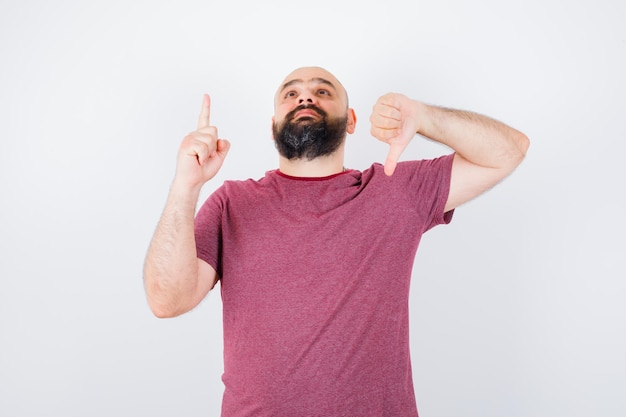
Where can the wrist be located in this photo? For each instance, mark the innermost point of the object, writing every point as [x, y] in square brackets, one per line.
[185, 190]
[423, 117]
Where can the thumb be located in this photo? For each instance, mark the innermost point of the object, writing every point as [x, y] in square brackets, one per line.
[395, 150]
[222, 147]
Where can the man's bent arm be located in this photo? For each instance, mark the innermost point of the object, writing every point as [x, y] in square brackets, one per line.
[175, 279]
[486, 150]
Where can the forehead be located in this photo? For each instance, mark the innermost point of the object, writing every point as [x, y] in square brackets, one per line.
[310, 75]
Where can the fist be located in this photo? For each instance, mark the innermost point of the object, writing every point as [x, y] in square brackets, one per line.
[395, 121]
[201, 153]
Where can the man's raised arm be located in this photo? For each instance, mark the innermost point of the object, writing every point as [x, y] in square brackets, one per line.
[175, 279]
[486, 150]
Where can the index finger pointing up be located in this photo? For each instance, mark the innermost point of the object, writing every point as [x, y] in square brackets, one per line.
[205, 112]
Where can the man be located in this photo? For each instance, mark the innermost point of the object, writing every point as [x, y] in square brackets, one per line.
[315, 260]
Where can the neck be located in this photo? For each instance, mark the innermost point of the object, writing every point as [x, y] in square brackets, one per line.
[323, 166]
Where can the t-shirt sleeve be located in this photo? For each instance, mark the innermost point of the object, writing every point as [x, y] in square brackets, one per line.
[208, 231]
[429, 186]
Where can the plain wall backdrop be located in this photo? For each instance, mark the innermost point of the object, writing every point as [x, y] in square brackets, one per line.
[517, 306]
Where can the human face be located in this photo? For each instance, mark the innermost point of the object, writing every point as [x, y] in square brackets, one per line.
[306, 136]
[315, 87]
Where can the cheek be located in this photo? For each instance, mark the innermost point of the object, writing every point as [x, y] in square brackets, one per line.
[334, 110]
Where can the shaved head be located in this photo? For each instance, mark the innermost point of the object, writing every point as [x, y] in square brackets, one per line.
[312, 74]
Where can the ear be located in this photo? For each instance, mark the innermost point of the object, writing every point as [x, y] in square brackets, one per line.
[351, 121]
[272, 129]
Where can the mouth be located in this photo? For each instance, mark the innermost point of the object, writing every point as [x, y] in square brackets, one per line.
[306, 114]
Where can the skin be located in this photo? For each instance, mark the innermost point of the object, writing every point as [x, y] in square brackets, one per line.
[318, 87]
[175, 279]
[486, 151]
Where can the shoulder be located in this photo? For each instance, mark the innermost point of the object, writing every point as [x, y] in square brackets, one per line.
[411, 171]
[240, 191]
[441, 163]
[230, 187]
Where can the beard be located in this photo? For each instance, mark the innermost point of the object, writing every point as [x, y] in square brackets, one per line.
[309, 138]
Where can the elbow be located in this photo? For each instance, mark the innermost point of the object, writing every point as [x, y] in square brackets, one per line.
[161, 305]
[158, 309]
[519, 150]
[163, 314]
[162, 311]
[523, 144]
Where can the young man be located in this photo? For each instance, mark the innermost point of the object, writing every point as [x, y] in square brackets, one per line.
[314, 260]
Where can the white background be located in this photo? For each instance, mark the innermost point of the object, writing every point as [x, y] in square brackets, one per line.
[517, 307]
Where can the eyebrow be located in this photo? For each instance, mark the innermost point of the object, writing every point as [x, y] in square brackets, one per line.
[318, 80]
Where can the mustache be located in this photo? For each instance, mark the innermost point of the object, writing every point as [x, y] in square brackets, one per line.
[290, 116]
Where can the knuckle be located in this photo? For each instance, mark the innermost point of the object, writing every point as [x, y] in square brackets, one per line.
[187, 140]
[209, 130]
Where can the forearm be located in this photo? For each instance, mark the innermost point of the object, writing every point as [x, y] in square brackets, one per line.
[171, 268]
[477, 138]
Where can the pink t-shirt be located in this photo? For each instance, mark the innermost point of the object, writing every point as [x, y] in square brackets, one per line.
[315, 278]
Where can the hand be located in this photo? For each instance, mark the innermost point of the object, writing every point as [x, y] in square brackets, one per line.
[394, 121]
[201, 153]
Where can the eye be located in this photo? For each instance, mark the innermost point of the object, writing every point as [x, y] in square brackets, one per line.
[290, 94]
[323, 92]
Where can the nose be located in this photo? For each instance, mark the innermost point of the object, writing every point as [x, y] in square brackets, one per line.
[305, 98]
